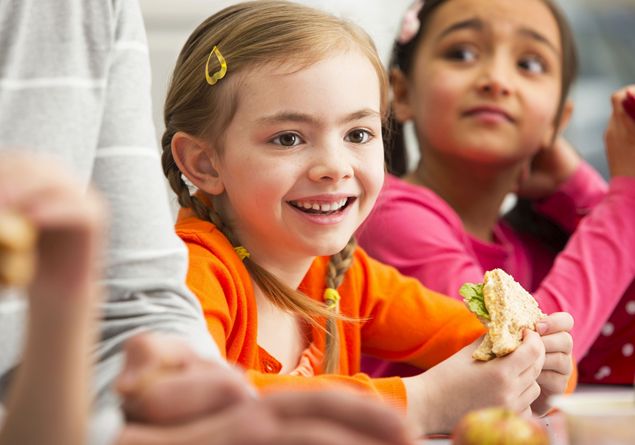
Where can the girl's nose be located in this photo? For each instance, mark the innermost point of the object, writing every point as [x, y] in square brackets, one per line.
[495, 78]
[331, 164]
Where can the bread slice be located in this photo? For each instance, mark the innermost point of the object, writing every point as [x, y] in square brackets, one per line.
[508, 310]
[17, 241]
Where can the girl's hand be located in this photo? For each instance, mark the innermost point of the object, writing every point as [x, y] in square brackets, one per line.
[548, 169]
[620, 134]
[438, 398]
[556, 372]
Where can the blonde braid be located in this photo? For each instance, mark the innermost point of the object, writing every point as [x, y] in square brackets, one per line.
[337, 268]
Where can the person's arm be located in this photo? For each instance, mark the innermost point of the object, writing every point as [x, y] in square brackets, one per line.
[575, 198]
[174, 397]
[441, 257]
[49, 397]
[146, 263]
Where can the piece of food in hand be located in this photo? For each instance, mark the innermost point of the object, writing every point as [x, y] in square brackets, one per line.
[505, 308]
[17, 254]
[629, 104]
[498, 426]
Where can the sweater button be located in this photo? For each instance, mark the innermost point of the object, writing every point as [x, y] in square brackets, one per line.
[268, 367]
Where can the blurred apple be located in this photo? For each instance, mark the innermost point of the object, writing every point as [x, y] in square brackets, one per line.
[498, 426]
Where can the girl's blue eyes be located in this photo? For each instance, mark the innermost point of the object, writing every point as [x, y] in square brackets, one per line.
[357, 136]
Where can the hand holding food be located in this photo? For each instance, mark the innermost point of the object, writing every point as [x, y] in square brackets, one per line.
[505, 308]
[17, 243]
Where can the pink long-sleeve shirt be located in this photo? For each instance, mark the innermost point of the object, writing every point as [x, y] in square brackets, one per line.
[416, 231]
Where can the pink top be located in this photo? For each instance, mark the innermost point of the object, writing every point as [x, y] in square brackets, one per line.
[588, 279]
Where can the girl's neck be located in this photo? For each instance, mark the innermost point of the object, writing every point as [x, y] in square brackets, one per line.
[476, 193]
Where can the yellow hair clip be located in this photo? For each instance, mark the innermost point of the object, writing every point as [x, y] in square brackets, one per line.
[331, 297]
[241, 252]
[218, 75]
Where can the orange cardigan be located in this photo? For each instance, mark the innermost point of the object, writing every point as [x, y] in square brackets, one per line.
[405, 321]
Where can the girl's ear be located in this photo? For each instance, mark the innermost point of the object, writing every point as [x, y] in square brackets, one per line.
[400, 96]
[198, 162]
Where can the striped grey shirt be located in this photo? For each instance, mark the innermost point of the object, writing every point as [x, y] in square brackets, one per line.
[75, 83]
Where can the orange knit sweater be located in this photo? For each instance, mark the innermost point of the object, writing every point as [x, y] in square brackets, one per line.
[404, 320]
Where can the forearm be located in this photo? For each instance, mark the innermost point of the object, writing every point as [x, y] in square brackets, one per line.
[50, 397]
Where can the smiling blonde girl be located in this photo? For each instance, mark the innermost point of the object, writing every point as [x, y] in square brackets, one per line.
[274, 115]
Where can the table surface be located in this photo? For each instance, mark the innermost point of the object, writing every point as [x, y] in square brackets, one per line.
[554, 423]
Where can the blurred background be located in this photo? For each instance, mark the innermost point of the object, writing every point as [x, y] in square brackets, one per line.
[604, 29]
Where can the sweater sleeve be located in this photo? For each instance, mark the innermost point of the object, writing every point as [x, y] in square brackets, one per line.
[589, 277]
[406, 322]
[146, 262]
[575, 198]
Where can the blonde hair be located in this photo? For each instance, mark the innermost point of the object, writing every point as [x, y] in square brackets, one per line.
[250, 35]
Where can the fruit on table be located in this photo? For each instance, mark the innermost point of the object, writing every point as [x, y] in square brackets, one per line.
[498, 426]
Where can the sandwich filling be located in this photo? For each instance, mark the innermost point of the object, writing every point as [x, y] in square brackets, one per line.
[505, 308]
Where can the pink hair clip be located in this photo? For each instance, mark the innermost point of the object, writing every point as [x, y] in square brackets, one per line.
[410, 23]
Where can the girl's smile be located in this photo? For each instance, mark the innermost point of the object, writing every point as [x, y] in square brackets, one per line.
[324, 209]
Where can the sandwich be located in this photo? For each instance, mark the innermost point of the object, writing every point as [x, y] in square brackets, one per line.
[17, 249]
[505, 308]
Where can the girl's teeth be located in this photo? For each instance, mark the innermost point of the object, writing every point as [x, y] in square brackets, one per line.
[325, 207]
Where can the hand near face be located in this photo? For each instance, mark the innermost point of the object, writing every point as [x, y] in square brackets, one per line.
[620, 134]
[548, 169]
[173, 397]
[556, 372]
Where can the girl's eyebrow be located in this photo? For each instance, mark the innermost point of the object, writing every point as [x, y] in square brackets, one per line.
[479, 25]
[475, 23]
[536, 36]
[293, 116]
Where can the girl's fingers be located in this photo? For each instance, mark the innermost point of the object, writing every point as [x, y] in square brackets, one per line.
[526, 398]
[529, 356]
[560, 342]
[558, 362]
[556, 322]
[552, 382]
